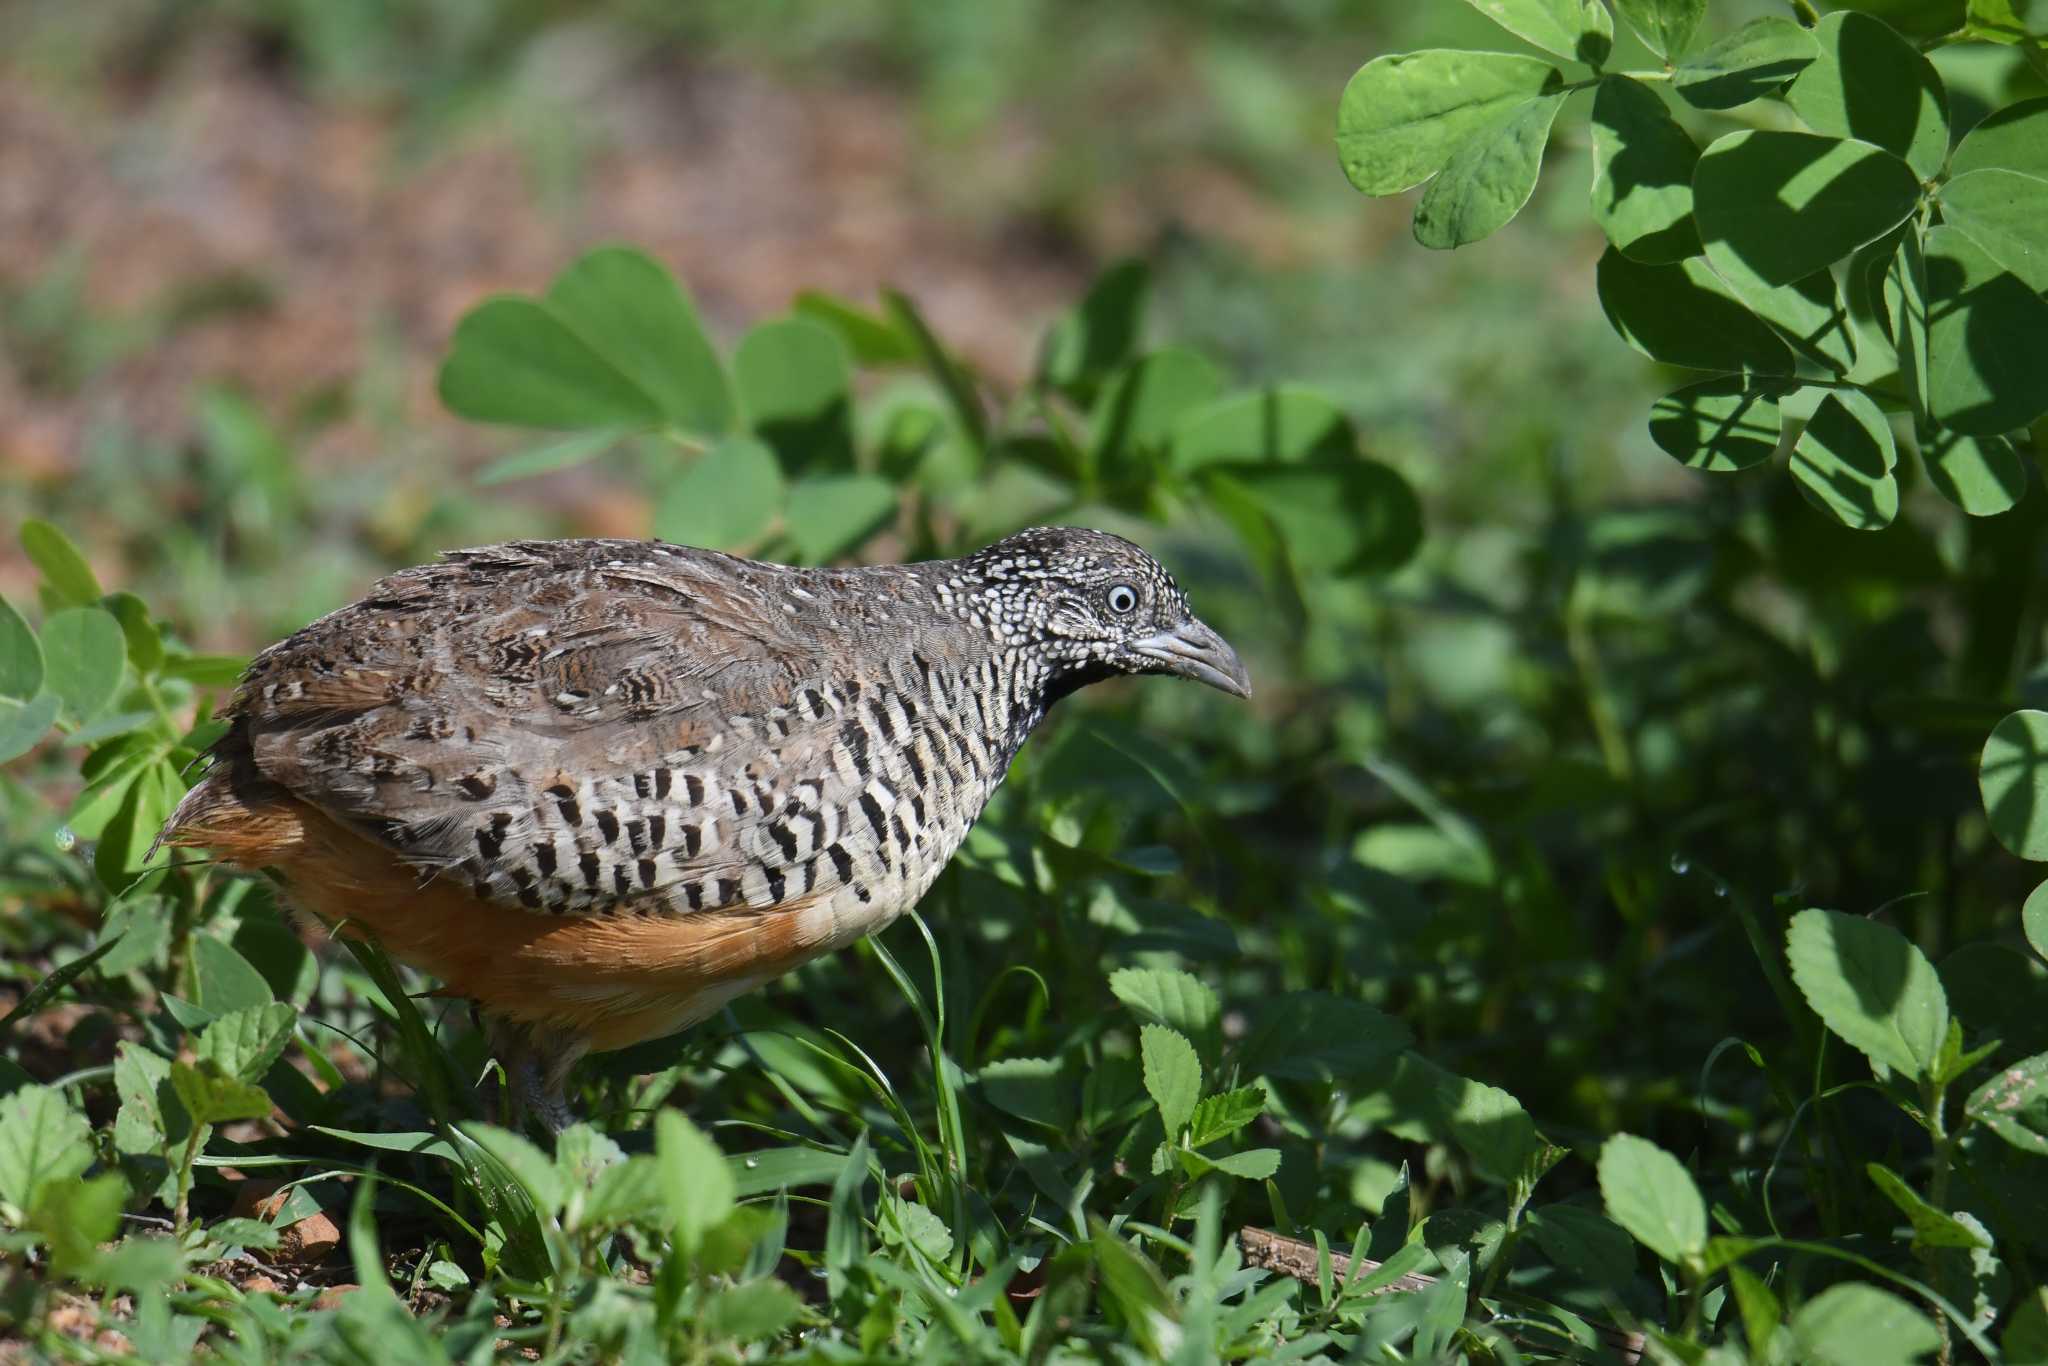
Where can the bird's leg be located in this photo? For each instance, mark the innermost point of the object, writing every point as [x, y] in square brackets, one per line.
[537, 1061]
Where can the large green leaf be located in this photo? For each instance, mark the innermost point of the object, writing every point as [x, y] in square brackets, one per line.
[2006, 215]
[1100, 334]
[1869, 83]
[1748, 64]
[1178, 1000]
[227, 983]
[2014, 1104]
[21, 658]
[1729, 423]
[694, 1176]
[1576, 29]
[212, 1095]
[41, 1139]
[1642, 173]
[1872, 987]
[795, 386]
[1986, 340]
[24, 724]
[1650, 1193]
[1137, 410]
[2012, 775]
[1779, 206]
[1684, 314]
[85, 657]
[1488, 179]
[1335, 516]
[1279, 424]
[1173, 1075]
[1404, 116]
[1856, 1324]
[246, 1042]
[1982, 475]
[615, 343]
[724, 500]
[67, 579]
[828, 515]
[1665, 26]
[2014, 138]
[1843, 462]
[1808, 313]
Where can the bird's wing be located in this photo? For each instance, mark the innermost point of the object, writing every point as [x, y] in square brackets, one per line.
[565, 726]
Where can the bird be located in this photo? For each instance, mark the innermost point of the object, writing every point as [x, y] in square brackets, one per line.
[601, 787]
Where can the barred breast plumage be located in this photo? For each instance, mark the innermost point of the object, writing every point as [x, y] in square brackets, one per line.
[647, 776]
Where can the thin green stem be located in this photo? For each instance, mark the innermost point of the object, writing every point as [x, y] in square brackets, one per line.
[1937, 1194]
[1600, 709]
[183, 1214]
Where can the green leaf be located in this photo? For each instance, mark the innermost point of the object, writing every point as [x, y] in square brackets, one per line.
[1584, 1243]
[1219, 1116]
[1139, 408]
[1748, 64]
[211, 1095]
[125, 840]
[1493, 1129]
[1871, 987]
[141, 1078]
[24, 724]
[1404, 116]
[1649, 1193]
[1779, 206]
[67, 579]
[2014, 1104]
[2034, 920]
[566, 453]
[1986, 341]
[1284, 423]
[905, 1223]
[1336, 516]
[1730, 423]
[1809, 314]
[829, 515]
[1314, 1036]
[529, 1166]
[1665, 26]
[1037, 1089]
[1931, 1227]
[774, 1169]
[1856, 1324]
[694, 1175]
[246, 1042]
[1982, 475]
[845, 1228]
[2012, 776]
[1684, 314]
[145, 642]
[795, 385]
[21, 658]
[724, 500]
[75, 1217]
[41, 1139]
[1178, 1000]
[1761, 1312]
[2014, 138]
[630, 1191]
[225, 980]
[752, 1311]
[1642, 173]
[871, 340]
[1907, 314]
[85, 657]
[1253, 1164]
[1173, 1076]
[2006, 215]
[1488, 179]
[2026, 1330]
[1868, 83]
[1576, 29]
[1843, 462]
[1100, 334]
[616, 343]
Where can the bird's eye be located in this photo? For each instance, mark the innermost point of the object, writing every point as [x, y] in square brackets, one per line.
[1122, 599]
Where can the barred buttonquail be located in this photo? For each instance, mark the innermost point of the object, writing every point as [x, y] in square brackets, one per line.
[603, 787]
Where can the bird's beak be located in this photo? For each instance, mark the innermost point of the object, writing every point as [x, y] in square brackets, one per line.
[1194, 651]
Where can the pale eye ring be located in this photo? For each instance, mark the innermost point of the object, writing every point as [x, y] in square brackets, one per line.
[1122, 599]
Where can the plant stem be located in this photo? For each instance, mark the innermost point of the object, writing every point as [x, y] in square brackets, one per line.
[182, 1215]
[1937, 1195]
[1600, 708]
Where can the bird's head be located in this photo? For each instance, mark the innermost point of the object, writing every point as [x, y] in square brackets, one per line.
[1094, 605]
